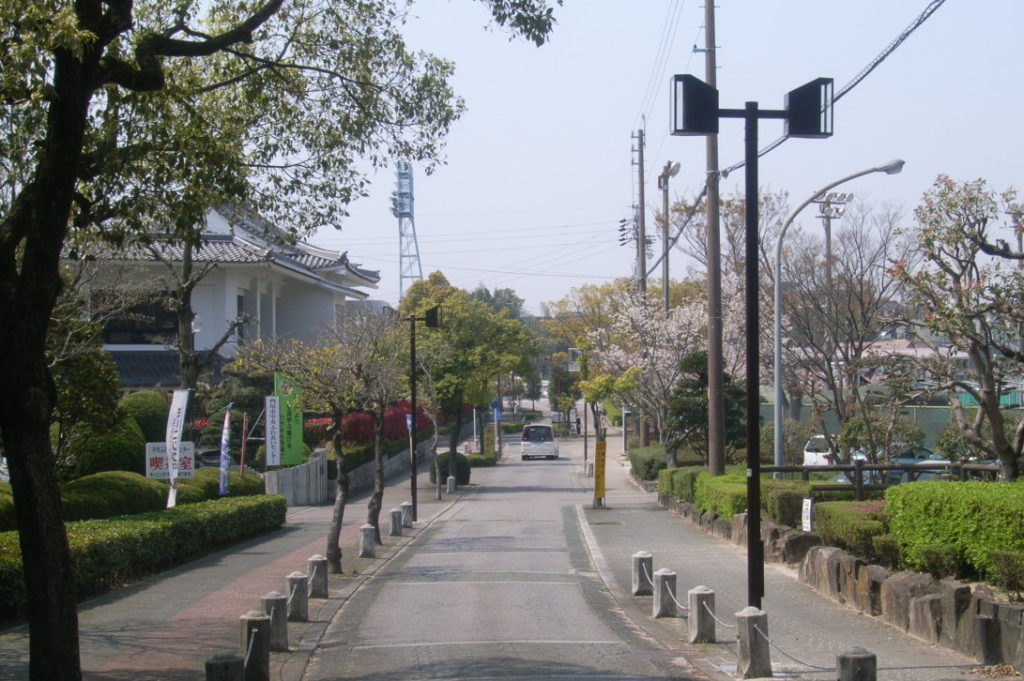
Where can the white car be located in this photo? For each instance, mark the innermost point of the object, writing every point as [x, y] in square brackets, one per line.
[817, 452]
[539, 442]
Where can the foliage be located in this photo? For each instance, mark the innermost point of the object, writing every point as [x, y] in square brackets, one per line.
[462, 469]
[795, 435]
[679, 482]
[782, 500]
[108, 553]
[977, 518]
[851, 525]
[886, 550]
[647, 461]
[941, 560]
[1008, 571]
[121, 449]
[483, 459]
[149, 409]
[688, 407]
[879, 439]
[724, 495]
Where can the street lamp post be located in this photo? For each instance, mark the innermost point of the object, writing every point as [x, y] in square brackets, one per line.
[433, 320]
[808, 113]
[890, 168]
[671, 170]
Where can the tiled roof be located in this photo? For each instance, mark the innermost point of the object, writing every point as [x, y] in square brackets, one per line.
[152, 368]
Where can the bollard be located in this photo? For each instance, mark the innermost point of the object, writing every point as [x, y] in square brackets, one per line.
[857, 664]
[225, 668]
[452, 487]
[256, 645]
[406, 507]
[590, 469]
[367, 535]
[753, 658]
[701, 622]
[298, 597]
[664, 604]
[396, 522]
[316, 568]
[642, 566]
[275, 606]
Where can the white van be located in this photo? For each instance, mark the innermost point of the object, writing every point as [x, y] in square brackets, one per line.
[817, 452]
[539, 442]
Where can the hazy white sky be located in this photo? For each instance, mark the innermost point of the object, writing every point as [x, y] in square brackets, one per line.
[539, 170]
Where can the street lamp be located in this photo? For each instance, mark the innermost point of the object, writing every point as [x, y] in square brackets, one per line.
[808, 113]
[890, 168]
[433, 320]
[671, 170]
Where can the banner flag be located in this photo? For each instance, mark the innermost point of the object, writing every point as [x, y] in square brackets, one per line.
[175, 426]
[291, 420]
[225, 456]
[273, 442]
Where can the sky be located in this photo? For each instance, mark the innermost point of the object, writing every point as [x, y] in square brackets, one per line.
[541, 168]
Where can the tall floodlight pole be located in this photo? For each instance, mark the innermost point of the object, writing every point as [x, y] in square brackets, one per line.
[410, 269]
[808, 113]
[671, 170]
[890, 168]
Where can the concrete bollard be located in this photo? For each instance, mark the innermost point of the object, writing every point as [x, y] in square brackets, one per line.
[255, 646]
[753, 655]
[664, 604]
[590, 469]
[316, 568]
[406, 507]
[225, 668]
[643, 565]
[298, 597]
[396, 522]
[857, 664]
[700, 623]
[275, 606]
[452, 487]
[367, 545]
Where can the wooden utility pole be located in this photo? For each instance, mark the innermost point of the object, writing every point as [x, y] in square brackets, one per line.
[716, 380]
[641, 227]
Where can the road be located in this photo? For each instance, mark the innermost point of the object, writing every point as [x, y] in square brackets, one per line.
[500, 586]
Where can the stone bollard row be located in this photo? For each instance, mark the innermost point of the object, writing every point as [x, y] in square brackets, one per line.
[643, 564]
[701, 623]
[406, 507]
[367, 541]
[664, 603]
[452, 487]
[753, 658]
[396, 522]
[275, 606]
[316, 568]
[255, 646]
[298, 597]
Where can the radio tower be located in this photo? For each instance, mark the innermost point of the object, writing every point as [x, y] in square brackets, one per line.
[408, 250]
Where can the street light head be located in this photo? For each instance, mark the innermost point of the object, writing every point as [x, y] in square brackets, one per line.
[673, 169]
[893, 167]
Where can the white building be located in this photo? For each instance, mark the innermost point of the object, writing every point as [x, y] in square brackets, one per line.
[285, 290]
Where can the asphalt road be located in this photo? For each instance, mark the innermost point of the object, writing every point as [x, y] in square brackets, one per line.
[501, 586]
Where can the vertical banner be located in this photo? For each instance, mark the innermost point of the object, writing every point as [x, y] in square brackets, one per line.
[273, 442]
[225, 456]
[245, 440]
[600, 448]
[175, 426]
[291, 420]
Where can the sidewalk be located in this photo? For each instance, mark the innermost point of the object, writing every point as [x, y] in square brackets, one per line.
[806, 630]
[166, 627]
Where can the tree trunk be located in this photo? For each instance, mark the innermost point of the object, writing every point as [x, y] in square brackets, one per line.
[377, 498]
[334, 531]
[453, 445]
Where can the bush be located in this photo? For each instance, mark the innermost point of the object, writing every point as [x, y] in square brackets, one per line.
[482, 460]
[679, 482]
[1008, 570]
[149, 408]
[647, 461]
[112, 493]
[783, 500]
[941, 560]
[122, 449]
[461, 468]
[108, 553]
[725, 495]
[978, 518]
[851, 525]
[886, 550]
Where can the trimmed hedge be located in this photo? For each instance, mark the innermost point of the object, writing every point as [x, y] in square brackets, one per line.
[149, 409]
[108, 553]
[679, 482]
[977, 518]
[461, 468]
[851, 525]
[725, 495]
[647, 461]
[483, 460]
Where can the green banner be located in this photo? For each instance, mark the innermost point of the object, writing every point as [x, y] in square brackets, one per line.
[291, 420]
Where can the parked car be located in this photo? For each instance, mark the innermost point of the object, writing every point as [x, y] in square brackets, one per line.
[913, 456]
[817, 452]
[538, 441]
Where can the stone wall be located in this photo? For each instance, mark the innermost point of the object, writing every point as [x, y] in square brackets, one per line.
[946, 612]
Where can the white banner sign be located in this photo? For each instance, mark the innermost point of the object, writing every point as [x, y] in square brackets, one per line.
[273, 443]
[175, 425]
[807, 517]
[157, 466]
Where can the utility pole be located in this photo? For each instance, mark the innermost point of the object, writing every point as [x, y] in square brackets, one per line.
[716, 366]
[641, 238]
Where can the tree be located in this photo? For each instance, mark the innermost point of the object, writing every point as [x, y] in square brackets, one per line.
[688, 408]
[83, 90]
[502, 299]
[971, 302]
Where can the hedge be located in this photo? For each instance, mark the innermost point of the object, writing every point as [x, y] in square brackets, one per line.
[110, 552]
[461, 468]
[647, 461]
[725, 495]
[679, 482]
[852, 525]
[977, 518]
[149, 409]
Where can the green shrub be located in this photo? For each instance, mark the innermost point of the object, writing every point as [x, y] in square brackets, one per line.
[149, 408]
[1008, 570]
[679, 482]
[886, 550]
[122, 449]
[725, 495]
[513, 427]
[941, 560]
[851, 525]
[482, 460]
[647, 461]
[978, 518]
[108, 553]
[461, 468]
[783, 500]
[112, 493]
